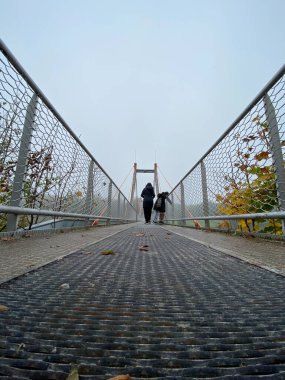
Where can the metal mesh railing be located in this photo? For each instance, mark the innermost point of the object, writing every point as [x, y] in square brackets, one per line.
[242, 176]
[43, 165]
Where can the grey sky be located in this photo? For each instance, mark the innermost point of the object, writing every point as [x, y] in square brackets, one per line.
[149, 77]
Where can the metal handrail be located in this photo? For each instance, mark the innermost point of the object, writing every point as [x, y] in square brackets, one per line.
[32, 211]
[266, 215]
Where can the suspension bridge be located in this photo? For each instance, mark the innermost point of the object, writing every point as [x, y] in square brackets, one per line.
[87, 291]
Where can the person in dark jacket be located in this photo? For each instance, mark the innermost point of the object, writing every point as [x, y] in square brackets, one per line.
[147, 195]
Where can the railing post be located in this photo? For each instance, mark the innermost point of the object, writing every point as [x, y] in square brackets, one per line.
[90, 187]
[109, 202]
[172, 207]
[183, 209]
[20, 173]
[124, 209]
[155, 180]
[277, 156]
[119, 205]
[205, 194]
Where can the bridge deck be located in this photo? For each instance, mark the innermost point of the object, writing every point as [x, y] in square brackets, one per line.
[177, 310]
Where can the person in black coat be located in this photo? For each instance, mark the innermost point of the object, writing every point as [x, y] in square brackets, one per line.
[147, 195]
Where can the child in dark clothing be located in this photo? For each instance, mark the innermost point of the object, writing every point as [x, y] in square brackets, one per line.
[159, 206]
[156, 207]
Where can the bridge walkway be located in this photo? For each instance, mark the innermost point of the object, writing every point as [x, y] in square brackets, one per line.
[19, 256]
[158, 306]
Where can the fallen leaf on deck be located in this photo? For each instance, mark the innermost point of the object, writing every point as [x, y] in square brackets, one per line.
[144, 248]
[121, 377]
[3, 308]
[73, 374]
[140, 234]
[107, 253]
[6, 238]
[64, 286]
[20, 347]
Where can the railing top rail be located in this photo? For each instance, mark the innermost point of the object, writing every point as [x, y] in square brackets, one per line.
[265, 215]
[32, 211]
[258, 97]
[12, 59]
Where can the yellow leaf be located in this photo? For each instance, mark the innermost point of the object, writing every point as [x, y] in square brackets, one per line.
[219, 197]
[264, 177]
[121, 377]
[73, 374]
[3, 308]
[107, 253]
[243, 224]
[224, 224]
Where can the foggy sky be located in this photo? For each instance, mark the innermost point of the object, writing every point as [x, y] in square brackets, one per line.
[147, 80]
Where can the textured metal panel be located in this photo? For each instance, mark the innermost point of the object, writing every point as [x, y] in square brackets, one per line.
[180, 310]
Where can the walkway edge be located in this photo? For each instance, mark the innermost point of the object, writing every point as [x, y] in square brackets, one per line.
[58, 258]
[82, 247]
[230, 253]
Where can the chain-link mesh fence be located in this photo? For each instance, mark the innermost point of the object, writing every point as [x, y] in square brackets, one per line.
[243, 173]
[43, 165]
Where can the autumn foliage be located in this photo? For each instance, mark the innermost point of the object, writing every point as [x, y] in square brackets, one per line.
[251, 186]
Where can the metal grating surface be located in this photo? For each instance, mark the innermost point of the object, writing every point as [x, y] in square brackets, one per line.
[179, 311]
